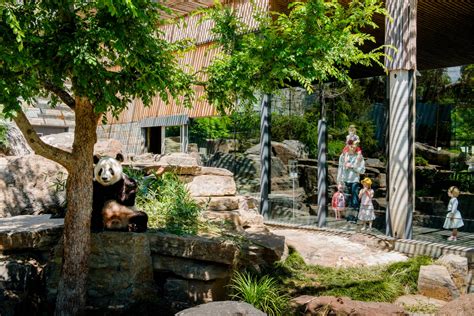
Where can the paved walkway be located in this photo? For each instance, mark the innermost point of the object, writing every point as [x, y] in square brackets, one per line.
[435, 235]
[330, 250]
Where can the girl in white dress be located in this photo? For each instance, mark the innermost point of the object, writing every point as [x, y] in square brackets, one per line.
[453, 218]
[366, 211]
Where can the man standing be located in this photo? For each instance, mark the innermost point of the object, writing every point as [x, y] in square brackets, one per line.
[351, 166]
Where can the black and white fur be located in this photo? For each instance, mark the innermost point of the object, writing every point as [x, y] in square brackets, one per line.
[110, 183]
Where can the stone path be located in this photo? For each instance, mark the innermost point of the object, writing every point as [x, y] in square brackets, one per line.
[330, 250]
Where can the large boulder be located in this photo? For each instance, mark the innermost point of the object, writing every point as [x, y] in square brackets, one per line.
[416, 302]
[464, 305]
[211, 185]
[264, 249]
[458, 268]
[218, 203]
[172, 145]
[223, 145]
[108, 147]
[60, 140]
[16, 144]
[435, 156]
[24, 232]
[435, 281]
[288, 150]
[179, 159]
[191, 269]
[31, 184]
[308, 176]
[331, 305]
[225, 308]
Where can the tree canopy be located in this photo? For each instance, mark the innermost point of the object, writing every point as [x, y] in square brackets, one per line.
[95, 57]
[107, 51]
[316, 41]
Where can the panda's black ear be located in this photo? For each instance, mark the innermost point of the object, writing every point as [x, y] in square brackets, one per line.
[96, 159]
[119, 157]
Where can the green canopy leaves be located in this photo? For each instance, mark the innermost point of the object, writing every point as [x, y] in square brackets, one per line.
[316, 41]
[107, 51]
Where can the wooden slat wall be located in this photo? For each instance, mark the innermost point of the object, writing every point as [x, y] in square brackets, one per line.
[189, 27]
[197, 59]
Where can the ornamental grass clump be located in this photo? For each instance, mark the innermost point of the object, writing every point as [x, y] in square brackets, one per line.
[261, 292]
[167, 202]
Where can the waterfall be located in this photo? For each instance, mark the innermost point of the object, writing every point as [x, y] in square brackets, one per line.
[17, 145]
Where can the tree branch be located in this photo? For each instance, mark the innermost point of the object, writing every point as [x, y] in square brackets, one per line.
[41, 148]
[62, 94]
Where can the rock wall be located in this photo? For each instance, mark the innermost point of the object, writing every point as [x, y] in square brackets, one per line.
[31, 184]
[127, 271]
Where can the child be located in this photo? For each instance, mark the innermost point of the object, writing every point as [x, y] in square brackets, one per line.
[352, 136]
[338, 201]
[366, 211]
[453, 218]
[352, 140]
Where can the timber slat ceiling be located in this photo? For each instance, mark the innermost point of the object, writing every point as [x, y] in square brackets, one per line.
[445, 31]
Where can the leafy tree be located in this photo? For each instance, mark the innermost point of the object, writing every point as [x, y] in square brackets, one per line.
[463, 115]
[316, 41]
[3, 132]
[94, 56]
[205, 128]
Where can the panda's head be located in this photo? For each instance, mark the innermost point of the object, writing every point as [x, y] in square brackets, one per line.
[108, 170]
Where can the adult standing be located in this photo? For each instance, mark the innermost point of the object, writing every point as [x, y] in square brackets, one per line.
[351, 166]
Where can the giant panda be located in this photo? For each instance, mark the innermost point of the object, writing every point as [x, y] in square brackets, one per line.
[111, 184]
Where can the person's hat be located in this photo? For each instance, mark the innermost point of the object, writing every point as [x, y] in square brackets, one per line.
[367, 181]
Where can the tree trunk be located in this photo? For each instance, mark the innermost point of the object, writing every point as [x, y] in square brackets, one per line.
[71, 297]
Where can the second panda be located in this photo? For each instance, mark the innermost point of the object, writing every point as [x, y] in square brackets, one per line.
[114, 197]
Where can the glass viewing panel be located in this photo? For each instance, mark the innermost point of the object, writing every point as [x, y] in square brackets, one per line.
[356, 150]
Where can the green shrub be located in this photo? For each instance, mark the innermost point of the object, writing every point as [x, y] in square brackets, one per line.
[335, 148]
[3, 130]
[167, 203]
[262, 293]
[420, 161]
[205, 128]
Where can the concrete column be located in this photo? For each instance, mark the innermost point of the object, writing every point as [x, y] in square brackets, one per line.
[265, 155]
[184, 138]
[163, 135]
[401, 34]
[322, 173]
[401, 153]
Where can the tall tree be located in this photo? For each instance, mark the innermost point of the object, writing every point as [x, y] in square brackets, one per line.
[316, 41]
[95, 57]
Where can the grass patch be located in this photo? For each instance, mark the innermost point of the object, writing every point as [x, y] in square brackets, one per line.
[377, 283]
[407, 272]
[261, 292]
